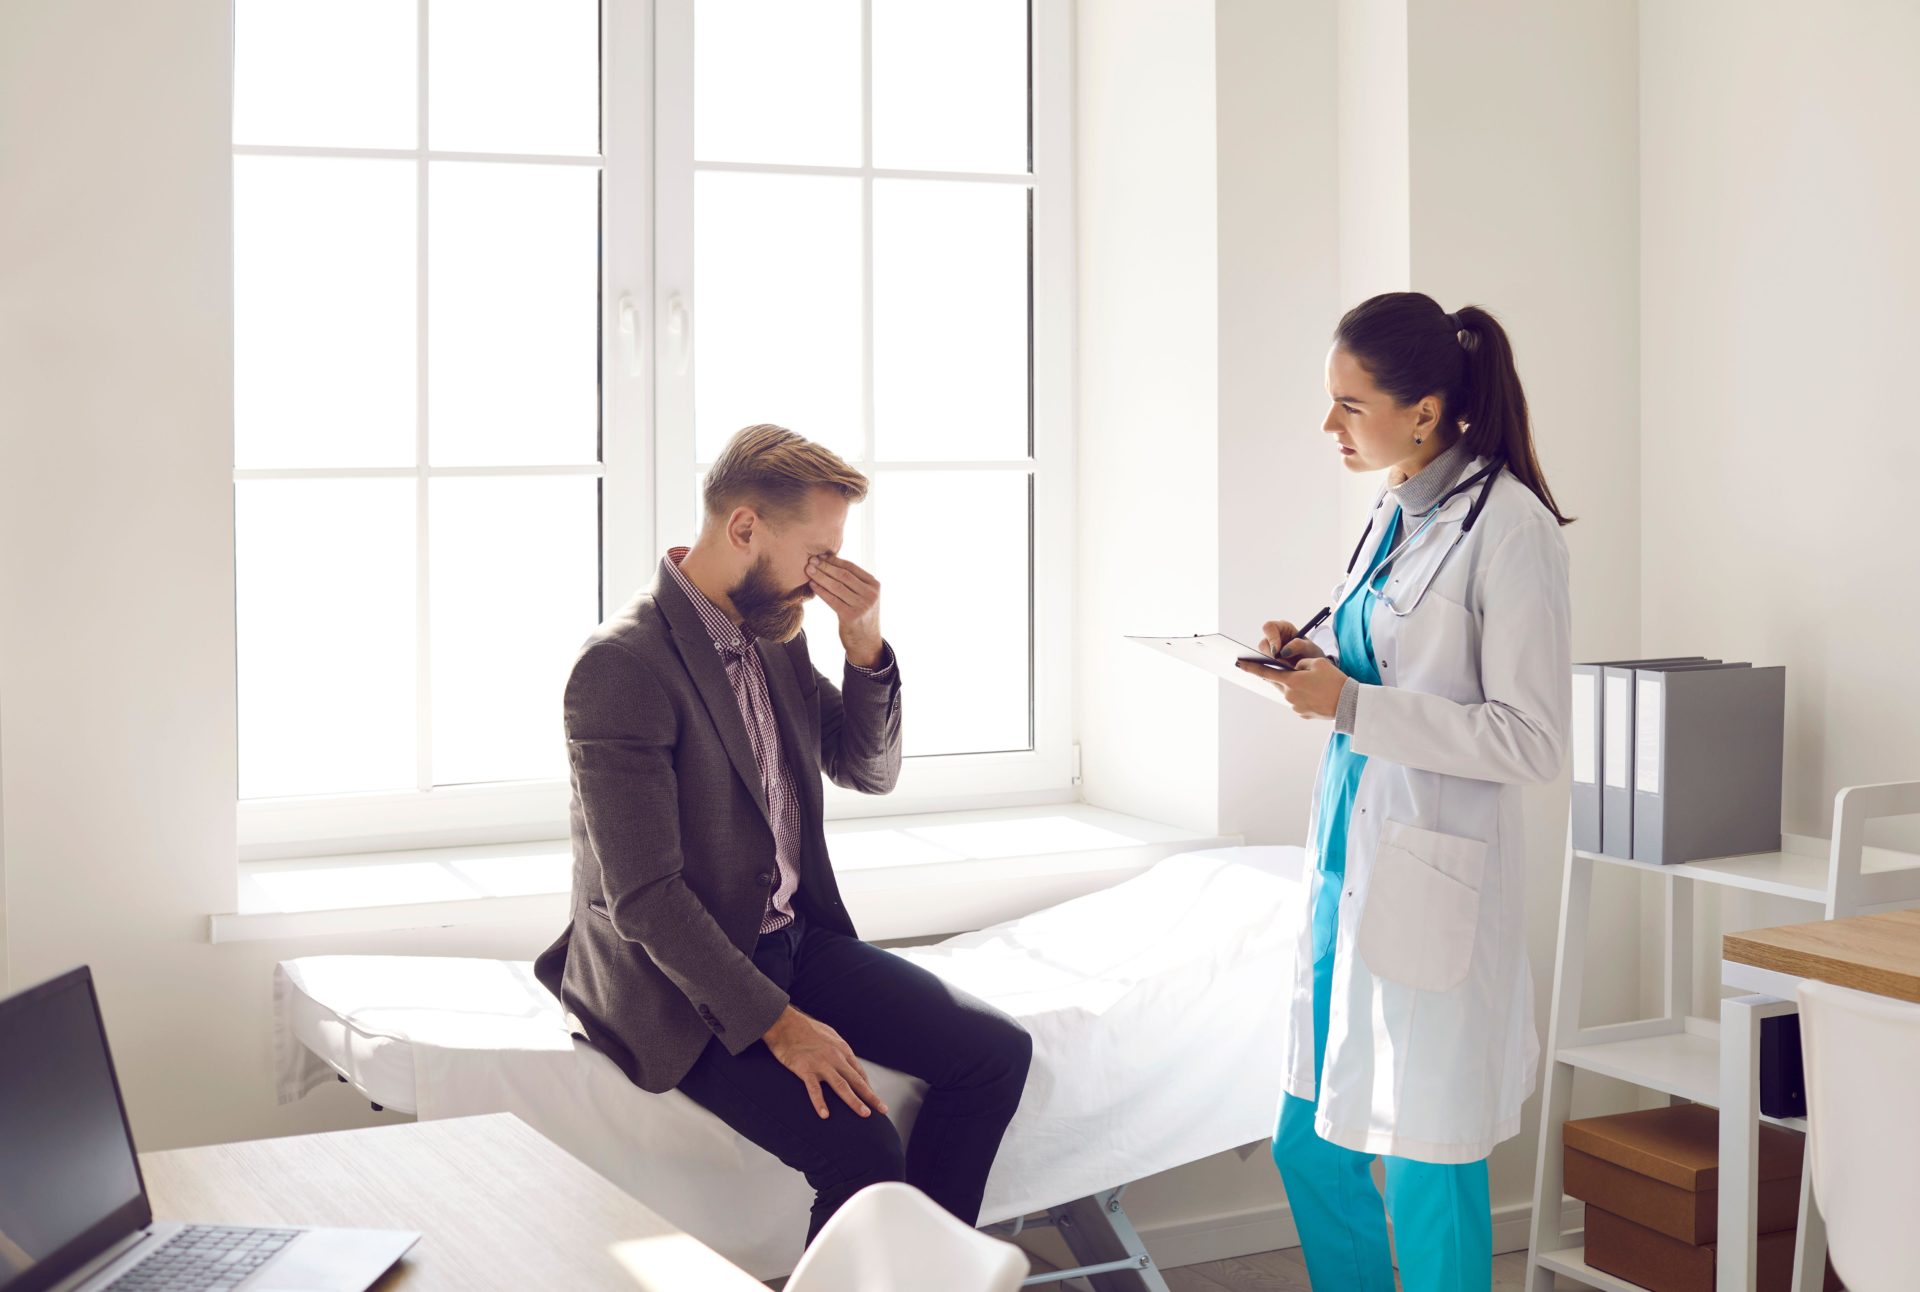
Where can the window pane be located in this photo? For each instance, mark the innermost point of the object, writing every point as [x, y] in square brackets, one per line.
[514, 76]
[324, 288]
[949, 321]
[325, 73]
[777, 323]
[777, 81]
[514, 581]
[513, 314]
[954, 550]
[950, 85]
[324, 571]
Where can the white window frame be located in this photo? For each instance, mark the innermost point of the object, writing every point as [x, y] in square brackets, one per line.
[1045, 773]
[646, 263]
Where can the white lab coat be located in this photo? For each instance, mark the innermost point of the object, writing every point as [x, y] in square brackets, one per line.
[1431, 1047]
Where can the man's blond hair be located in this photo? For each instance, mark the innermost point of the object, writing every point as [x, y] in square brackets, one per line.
[775, 471]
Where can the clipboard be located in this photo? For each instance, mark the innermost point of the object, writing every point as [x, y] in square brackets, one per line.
[1217, 654]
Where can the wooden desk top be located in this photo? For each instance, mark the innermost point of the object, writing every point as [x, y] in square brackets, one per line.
[497, 1206]
[1876, 953]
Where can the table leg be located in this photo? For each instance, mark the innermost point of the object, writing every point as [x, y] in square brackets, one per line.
[1739, 1141]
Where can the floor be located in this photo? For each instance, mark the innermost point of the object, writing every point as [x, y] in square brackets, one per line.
[1284, 1271]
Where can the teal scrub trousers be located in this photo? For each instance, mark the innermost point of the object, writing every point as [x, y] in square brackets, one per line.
[1442, 1219]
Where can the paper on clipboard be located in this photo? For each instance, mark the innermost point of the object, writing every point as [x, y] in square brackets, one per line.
[1217, 654]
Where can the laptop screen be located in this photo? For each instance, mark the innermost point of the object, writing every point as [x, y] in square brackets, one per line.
[70, 1186]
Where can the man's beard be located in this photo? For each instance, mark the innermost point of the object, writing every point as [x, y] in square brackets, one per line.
[765, 610]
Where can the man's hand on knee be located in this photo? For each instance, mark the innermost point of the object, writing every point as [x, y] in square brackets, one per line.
[814, 1052]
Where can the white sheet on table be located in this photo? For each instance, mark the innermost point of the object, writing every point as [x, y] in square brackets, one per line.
[1156, 1008]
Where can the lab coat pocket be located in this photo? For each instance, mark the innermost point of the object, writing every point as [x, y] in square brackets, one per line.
[1423, 907]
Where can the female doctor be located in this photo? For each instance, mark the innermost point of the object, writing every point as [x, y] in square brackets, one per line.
[1443, 663]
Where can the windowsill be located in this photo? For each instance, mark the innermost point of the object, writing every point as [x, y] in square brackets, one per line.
[901, 877]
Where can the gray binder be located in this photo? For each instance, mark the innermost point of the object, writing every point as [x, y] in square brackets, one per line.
[1707, 762]
[1616, 751]
[1588, 753]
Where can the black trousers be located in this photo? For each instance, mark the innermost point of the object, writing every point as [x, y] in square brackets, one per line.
[973, 1058]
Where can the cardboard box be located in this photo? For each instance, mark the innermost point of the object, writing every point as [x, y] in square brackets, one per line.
[1660, 1169]
[1663, 1264]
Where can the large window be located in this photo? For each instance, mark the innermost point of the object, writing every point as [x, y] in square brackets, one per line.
[467, 423]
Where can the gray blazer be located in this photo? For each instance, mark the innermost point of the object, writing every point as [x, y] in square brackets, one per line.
[672, 846]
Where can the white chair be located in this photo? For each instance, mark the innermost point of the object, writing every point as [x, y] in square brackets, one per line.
[1862, 1056]
[894, 1238]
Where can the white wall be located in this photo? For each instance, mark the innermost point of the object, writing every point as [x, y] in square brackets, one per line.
[1205, 163]
[1278, 218]
[116, 560]
[1149, 404]
[1375, 138]
[1781, 299]
[1782, 293]
[117, 750]
[1376, 179]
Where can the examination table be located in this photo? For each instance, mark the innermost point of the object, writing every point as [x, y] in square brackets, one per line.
[1157, 1009]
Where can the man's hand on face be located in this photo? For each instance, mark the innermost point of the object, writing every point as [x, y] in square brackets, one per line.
[853, 595]
[814, 1052]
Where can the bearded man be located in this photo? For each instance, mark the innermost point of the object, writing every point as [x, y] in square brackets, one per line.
[707, 948]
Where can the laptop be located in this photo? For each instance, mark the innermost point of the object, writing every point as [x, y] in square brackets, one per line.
[73, 1206]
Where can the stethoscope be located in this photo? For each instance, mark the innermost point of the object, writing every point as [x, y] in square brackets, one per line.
[1484, 478]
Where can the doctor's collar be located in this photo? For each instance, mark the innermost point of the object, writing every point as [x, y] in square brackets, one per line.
[1418, 494]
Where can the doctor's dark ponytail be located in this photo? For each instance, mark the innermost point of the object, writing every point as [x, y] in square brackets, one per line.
[1412, 348]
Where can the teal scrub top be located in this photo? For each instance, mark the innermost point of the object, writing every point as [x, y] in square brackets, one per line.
[1353, 629]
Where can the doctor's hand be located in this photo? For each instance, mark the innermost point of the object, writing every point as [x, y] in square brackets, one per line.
[1279, 639]
[854, 595]
[1312, 688]
[814, 1052]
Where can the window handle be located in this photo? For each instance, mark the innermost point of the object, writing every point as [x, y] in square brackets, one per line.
[630, 335]
[680, 334]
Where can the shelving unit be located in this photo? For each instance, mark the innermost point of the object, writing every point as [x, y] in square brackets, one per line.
[1677, 1053]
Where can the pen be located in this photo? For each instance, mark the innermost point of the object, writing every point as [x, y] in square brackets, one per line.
[1316, 621]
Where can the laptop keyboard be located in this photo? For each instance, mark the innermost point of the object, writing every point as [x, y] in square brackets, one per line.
[204, 1258]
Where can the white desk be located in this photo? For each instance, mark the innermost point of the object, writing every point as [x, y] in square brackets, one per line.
[497, 1206]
